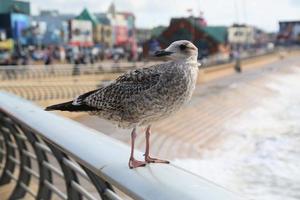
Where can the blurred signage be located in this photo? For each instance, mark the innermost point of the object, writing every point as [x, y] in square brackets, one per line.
[81, 33]
[289, 31]
[15, 25]
[19, 25]
[121, 35]
[2, 35]
[7, 44]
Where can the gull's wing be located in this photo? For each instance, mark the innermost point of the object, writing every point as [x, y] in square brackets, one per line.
[131, 83]
[111, 97]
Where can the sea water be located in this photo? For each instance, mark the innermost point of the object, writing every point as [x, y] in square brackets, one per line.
[260, 159]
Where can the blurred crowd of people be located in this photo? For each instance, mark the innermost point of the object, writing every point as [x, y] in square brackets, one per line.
[73, 55]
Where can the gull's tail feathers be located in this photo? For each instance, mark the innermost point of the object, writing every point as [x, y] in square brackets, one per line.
[69, 106]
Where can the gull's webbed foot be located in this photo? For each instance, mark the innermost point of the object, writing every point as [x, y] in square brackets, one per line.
[133, 163]
[148, 159]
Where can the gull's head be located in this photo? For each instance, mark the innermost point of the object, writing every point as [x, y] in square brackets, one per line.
[179, 50]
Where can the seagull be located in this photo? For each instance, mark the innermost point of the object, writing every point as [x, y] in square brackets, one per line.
[143, 96]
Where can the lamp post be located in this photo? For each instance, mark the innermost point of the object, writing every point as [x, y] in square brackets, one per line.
[190, 11]
[237, 66]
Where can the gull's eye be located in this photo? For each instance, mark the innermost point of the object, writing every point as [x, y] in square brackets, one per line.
[182, 47]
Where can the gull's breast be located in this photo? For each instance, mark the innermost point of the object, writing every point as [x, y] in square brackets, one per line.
[171, 97]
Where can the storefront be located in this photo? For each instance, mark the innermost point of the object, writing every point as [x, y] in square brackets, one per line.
[80, 33]
[15, 25]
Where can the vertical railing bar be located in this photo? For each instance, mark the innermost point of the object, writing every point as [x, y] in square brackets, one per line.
[2, 152]
[76, 168]
[12, 145]
[2, 148]
[100, 185]
[5, 129]
[21, 137]
[112, 195]
[43, 147]
[29, 191]
[17, 162]
[53, 169]
[23, 185]
[69, 174]
[55, 190]
[29, 154]
[32, 172]
[9, 173]
[83, 191]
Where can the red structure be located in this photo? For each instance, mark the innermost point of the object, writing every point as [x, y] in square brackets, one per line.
[208, 39]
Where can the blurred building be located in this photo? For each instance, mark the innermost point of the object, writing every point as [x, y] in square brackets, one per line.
[142, 35]
[50, 28]
[80, 33]
[289, 32]
[241, 34]
[102, 31]
[14, 20]
[156, 31]
[262, 38]
[246, 36]
[15, 6]
[123, 27]
[208, 39]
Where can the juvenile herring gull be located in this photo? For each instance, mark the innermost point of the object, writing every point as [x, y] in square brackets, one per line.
[143, 96]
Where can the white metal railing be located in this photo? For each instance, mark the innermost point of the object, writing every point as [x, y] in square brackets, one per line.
[82, 159]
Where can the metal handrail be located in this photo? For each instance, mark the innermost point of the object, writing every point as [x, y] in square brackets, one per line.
[83, 153]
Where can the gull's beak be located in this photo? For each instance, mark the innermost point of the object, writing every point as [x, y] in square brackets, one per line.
[162, 53]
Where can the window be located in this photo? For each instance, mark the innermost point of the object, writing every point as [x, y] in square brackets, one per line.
[238, 33]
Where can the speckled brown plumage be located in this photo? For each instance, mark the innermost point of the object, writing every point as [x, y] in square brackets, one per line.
[143, 96]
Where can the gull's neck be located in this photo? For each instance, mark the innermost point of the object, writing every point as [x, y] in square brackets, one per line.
[191, 59]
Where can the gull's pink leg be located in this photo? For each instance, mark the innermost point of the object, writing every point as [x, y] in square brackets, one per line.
[148, 159]
[133, 163]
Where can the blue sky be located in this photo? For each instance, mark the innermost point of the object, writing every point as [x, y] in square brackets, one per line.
[262, 13]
